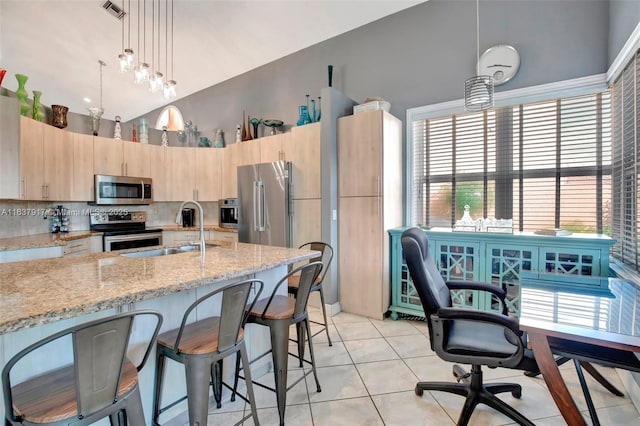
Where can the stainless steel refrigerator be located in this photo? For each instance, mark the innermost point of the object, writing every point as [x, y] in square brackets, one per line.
[265, 205]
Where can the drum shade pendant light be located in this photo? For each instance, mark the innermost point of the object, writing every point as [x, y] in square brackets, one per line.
[478, 90]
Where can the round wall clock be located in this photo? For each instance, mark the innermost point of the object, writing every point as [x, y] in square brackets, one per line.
[500, 62]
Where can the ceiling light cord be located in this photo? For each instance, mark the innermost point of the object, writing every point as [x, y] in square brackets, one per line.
[477, 37]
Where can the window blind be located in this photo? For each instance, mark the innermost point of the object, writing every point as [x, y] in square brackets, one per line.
[544, 165]
[625, 164]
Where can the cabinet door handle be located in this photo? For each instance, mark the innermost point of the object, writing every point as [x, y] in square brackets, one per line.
[23, 187]
[44, 192]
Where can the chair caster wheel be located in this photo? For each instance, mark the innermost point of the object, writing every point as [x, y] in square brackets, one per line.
[419, 391]
[318, 390]
[233, 398]
[516, 394]
[218, 405]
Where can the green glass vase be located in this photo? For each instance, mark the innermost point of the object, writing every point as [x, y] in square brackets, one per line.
[21, 94]
[38, 113]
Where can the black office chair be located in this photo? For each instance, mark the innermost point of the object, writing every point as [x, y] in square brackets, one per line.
[465, 335]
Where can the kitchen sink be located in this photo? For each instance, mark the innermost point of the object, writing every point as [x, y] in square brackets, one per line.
[191, 247]
[155, 252]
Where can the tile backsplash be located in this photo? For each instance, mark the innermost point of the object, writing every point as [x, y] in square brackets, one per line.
[18, 218]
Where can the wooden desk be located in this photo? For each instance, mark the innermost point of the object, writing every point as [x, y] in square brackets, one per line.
[608, 322]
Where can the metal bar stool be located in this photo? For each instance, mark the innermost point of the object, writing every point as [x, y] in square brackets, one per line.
[278, 313]
[101, 381]
[201, 344]
[325, 257]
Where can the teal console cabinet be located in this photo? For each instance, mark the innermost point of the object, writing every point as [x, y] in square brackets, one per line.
[577, 261]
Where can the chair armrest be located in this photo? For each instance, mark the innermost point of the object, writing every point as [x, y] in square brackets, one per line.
[476, 315]
[482, 286]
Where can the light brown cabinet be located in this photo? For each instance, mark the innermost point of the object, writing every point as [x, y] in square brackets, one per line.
[193, 174]
[108, 156]
[46, 161]
[120, 158]
[369, 203]
[158, 172]
[303, 150]
[82, 188]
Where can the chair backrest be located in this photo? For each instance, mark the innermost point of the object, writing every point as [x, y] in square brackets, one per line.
[432, 290]
[325, 257]
[308, 275]
[233, 311]
[100, 352]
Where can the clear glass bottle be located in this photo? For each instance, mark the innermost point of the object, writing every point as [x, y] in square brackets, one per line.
[143, 130]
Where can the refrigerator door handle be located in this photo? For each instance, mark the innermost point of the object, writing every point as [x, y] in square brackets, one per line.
[261, 209]
[255, 205]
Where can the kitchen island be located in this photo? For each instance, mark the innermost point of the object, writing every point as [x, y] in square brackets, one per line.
[40, 297]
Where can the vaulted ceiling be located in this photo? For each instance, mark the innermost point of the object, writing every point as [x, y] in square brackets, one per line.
[57, 44]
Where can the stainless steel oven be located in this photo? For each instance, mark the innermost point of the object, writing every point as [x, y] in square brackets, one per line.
[124, 230]
[228, 214]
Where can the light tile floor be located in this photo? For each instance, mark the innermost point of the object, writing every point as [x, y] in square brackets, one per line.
[368, 376]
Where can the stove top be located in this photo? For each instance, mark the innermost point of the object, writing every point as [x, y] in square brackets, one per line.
[120, 222]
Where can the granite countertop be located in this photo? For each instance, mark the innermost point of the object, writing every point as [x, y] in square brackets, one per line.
[61, 238]
[43, 240]
[37, 292]
[196, 228]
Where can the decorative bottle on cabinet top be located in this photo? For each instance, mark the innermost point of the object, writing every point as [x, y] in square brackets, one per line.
[143, 129]
[21, 93]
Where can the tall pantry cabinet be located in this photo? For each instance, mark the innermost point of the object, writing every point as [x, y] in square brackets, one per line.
[369, 203]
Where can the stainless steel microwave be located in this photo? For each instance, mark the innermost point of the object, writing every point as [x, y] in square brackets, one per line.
[122, 190]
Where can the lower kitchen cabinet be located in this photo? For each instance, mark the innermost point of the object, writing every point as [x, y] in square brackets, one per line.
[578, 261]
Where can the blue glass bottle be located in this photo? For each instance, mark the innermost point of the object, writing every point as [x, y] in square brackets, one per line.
[304, 115]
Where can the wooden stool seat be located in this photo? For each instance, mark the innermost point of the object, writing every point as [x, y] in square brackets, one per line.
[294, 281]
[51, 397]
[281, 307]
[200, 337]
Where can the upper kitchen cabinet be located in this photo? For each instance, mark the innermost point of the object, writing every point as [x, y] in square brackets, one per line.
[303, 150]
[361, 155]
[193, 173]
[9, 147]
[108, 156]
[158, 172]
[46, 161]
[207, 183]
[82, 189]
[120, 158]
[229, 177]
[272, 147]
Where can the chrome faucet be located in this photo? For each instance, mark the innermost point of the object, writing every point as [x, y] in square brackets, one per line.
[201, 211]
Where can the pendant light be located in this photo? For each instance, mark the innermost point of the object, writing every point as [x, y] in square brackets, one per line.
[142, 70]
[126, 58]
[478, 90]
[170, 85]
[95, 112]
[156, 82]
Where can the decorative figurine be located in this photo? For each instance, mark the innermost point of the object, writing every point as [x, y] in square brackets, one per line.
[134, 134]
[165, 136]
[117, 131]
[238, 134]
